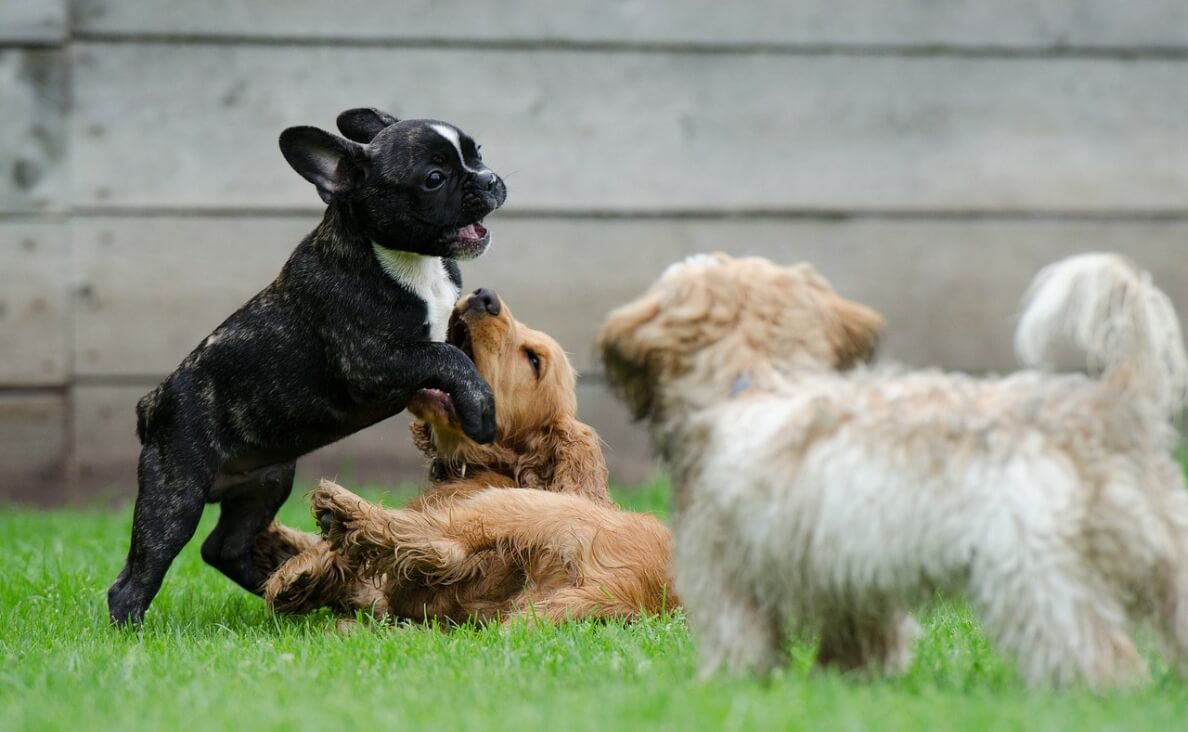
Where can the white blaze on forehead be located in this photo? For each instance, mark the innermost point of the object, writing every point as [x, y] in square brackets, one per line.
[451, 134]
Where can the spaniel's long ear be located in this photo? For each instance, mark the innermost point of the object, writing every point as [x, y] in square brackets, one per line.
[566, 459]
[856, 335]
[580, 465]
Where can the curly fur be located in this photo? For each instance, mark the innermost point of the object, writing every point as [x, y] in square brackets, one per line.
[540, 443]
[839, 501]
[499, 554]
[1100, 313]
[476, 544]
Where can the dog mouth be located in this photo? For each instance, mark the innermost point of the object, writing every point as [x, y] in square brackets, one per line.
[458, 335]
[434, 406]
[471, 241]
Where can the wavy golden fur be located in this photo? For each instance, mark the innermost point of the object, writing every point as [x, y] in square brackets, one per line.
[479, 544]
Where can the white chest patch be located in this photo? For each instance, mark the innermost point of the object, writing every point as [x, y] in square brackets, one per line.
[427, 278]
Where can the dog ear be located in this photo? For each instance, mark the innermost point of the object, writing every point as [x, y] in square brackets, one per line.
[362, 124]
[855, 336]
[580, 467]
[566, 459]
[334, 165]
[625, 356]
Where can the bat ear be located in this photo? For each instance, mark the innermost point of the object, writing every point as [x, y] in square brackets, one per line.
[334, 165]
[362, 124]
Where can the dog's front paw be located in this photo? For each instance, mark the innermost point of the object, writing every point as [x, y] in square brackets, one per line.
[333, 506]
[325, 523]
[476, 410]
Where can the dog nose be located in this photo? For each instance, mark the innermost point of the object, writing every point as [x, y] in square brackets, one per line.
[485, 179]
[484, 299]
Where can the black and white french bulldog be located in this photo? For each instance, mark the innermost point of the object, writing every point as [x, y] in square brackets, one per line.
[342, 338]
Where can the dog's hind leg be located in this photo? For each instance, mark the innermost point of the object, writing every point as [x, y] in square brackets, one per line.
[317, 577]
[880, 643]
[168, 507]
[1058, 624]
[1168, 564]
[403, 544]
[245, 512]
[278, 544]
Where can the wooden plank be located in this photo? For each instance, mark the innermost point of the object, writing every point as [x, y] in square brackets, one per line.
[626, 445]
[34, 272]
[106, 448]
[33, 448]
[151, 288]
[1008, 23]
[32, 21]
[721, 131]
[33, 95]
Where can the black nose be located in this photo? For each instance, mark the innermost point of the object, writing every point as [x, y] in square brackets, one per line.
[484, 299]
[485, 179]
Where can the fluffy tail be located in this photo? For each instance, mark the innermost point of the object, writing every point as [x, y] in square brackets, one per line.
[1102, 313]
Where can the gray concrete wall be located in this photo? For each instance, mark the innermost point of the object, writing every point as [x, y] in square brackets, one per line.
[929, 157]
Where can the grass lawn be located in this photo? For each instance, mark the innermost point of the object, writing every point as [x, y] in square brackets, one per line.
[211, 657]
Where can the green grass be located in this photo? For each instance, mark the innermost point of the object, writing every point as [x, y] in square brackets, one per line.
[211, 657]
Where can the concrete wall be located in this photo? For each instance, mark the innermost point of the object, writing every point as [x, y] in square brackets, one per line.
[929, 157]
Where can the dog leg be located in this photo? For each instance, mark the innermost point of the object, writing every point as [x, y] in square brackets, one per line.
[245, 512]
[739, 637]
[400, 544]
[1170, 588]
[570, 604]
[735, 633]
[278, 544]
[318, 577]
[871, 644]
[1060, 627]
[168, 507]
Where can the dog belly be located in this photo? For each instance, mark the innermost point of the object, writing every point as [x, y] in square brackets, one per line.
[228, 481]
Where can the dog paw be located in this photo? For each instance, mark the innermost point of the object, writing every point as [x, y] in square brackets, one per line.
[477, 414]
[333, 506]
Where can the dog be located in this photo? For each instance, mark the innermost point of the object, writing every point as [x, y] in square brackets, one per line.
[351, 328]
[522, 527]
[814, 492]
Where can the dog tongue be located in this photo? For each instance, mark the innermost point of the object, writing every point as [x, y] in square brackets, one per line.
[468, 232]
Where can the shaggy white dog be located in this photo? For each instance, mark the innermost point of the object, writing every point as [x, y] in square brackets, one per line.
[837, 500]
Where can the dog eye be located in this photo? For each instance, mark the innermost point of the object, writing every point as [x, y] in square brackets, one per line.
[435, 179]
[533, 360]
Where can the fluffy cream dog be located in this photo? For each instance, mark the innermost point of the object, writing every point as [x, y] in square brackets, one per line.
[835, 500]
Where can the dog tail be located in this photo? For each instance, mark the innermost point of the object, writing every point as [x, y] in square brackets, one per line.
[146, 412]
[1102, 313]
